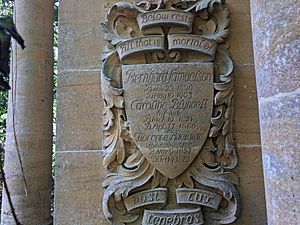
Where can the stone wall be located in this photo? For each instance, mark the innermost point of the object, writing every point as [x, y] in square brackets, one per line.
[78, 156]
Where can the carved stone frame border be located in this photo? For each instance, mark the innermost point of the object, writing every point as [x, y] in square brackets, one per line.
[128, 169]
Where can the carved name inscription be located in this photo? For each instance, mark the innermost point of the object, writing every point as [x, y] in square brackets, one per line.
[171, 105]
[167, 89]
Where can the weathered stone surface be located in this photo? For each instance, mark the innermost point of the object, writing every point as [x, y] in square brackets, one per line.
[78, 188]
[80, 35]
[169, 108]
[184, 216]
[276, 47]
[192, 42]
[157, 196]
[182, 18]
[81, 19]
[252, 186]
[240, 39]
[168, 121]
[29, 130]
[78, 161]
[76, 45]
[78, 114]
[246, 119]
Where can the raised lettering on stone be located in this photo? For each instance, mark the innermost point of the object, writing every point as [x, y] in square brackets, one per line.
[166, 17]
[146, 198]
[198, 197]
[176, 216]
[169, 107]
[140, 44]
[167, 87]
[192, 42]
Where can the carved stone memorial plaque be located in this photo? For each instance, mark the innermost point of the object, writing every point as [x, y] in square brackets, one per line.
[167, 88]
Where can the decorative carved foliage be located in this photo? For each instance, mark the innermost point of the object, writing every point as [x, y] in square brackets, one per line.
[167, 89]
[208, 5]
[150, 4]
[214, 25]
[223, 111]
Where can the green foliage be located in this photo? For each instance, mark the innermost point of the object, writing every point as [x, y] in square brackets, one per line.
[55, 48]
[7, 7]
[3, 115]
[7, 30]
[6, 10]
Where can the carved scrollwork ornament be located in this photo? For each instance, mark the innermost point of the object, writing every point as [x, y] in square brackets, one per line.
[167, 88]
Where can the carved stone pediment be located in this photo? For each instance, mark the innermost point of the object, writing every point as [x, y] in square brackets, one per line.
[167, 88]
